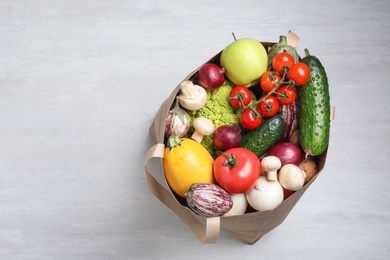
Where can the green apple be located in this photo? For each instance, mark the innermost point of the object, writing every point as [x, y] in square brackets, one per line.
[244, 61]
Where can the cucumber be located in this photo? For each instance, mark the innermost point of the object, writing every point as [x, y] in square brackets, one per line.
[314, 108]
[259, 140]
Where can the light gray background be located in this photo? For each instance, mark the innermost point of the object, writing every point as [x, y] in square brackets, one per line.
[80, 83]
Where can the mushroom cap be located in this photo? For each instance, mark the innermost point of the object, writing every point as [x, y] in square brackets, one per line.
[292, 177]
[271, 162]
[192, 97]
[203, 125]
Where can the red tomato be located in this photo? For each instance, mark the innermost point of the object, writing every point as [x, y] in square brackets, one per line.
[250, 119]
[287, 193]
[237, 170]
[300, 73]
[282, 60]
[240, 96]
[269, 107]
[286, 94]
[268, 80]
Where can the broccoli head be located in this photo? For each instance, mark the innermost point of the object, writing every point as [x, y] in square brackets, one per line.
[219, 110]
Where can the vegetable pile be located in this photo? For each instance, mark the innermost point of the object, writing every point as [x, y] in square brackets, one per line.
[234, 148]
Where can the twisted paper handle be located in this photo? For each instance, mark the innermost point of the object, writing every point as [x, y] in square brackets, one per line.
[205, 235]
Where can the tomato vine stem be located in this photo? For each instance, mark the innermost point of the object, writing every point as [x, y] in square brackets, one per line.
[277, 85]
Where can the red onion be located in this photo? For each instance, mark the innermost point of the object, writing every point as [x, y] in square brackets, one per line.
[226, 137]
[211, 76]
[287, 153]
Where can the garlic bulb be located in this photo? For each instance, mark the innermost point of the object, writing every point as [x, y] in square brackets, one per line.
[177, 122]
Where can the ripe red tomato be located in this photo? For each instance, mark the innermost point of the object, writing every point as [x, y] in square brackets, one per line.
[240, 96]
[281, 60]
[286, 94]
[237, 170]
[300, 73]
[268, 80]
[269, 107]
[250, 119]
[287, 193]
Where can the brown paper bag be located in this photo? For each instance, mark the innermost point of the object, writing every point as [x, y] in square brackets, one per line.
[248, 227]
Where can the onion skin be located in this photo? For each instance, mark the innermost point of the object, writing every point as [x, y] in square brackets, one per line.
[240, 204]
[226, 137]
[287, 153]
[211, 76]
[266, 195]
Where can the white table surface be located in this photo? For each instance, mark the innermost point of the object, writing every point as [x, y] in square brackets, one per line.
[80, 83]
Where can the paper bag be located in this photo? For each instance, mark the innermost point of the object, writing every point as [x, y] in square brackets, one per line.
[249, 227]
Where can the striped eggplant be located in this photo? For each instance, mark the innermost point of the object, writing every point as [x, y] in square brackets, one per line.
[282, 46]
[208, 199]
[290, 116]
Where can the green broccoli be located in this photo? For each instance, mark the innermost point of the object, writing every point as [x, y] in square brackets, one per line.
[219, 110]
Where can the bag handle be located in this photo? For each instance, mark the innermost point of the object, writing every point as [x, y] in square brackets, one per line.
[208, 234]
[292, 39]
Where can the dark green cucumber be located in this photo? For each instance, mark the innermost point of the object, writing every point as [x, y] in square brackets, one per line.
[314, 108]
[259, 140]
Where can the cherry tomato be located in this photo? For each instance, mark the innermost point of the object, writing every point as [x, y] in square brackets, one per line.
[268, 80]
[240, 96]
[269, 107]
[286, 94]
[237, 170]
[287, 193]
[282, 60]
[300, 73]
[250, 119]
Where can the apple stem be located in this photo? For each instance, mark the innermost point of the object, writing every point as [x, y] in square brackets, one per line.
[234, 36]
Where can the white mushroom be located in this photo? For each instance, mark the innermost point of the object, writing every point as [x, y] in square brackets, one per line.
[203, 127]
[271, 164]
[192, 97]
[291, 177]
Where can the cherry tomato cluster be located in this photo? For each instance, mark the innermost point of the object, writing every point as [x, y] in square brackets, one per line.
[240, 97]
[279, 87]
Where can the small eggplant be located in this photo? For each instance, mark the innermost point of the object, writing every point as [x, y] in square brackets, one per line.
[282, 46]
[289, 114]
[208, 199]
